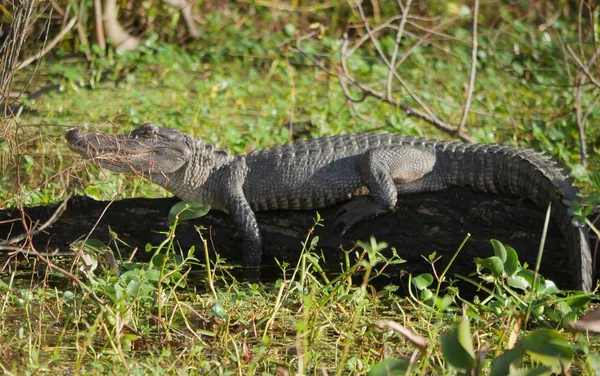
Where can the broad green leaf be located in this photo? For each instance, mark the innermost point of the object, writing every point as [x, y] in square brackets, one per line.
[550, 288]
[90, 263]
[426, 295]
[289, 29]
[493, 264]
[177, 277]
[422, 281]
[443, 302]
[186, 210]
[390, 367]
[511, 264]
[594, 360]
[499, 249]
[127, 340]
[564, 307]
[218, 310]
[69, 297]
[529, 274]
[539, 371]
[313, 242]
[159, 259]
[548, 347]
[518, 282]
[595, 179]
[152, 275]
[457, 346]
[133, 288]
[577, 300]
[90, 245]
[501, 365]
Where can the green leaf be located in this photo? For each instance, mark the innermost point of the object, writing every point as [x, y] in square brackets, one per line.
[501, 365]
[595, 179]
[444, 302]
[499, 249]
[518, 282]
[511, 264]
[186, 210]
[289, 29]
[539, 371]
[577, 300]
[549, 348]
[159, 259]
[549, 288]
[152, 275]
[313, 242]
[528, 275]
[594, 360]
[132, 288]
[457, 346]
[422, 281]
[390, 367]
[69, 297]
[218, 310]
[90, 245]
[426, 295]
[494, 264]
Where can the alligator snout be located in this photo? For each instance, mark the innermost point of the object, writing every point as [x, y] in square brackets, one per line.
[73, 135]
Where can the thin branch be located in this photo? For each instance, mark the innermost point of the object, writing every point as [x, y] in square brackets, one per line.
[583, 66]
[346, 79]
[593, 22]
[83, 34]
[392, 67]
[465, 114]
[37, 229]
[590, 108]
[418, 43]
[433, 119]
[50, 45]
[370, 33]
[387, 24]
[580, 122]
[99, 25]
[14, 249]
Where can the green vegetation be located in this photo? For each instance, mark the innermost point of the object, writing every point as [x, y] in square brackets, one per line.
[252, 80]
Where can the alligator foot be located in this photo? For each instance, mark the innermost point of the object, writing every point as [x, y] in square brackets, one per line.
[357, 210]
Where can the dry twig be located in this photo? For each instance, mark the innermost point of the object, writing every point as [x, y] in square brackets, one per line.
[348, 81]
[463, 120]
[37, 229]
[50, 45]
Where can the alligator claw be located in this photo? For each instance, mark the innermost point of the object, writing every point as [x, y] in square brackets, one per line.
[355, 211]
[340, 225]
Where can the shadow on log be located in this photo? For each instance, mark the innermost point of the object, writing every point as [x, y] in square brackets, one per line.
[421, 224]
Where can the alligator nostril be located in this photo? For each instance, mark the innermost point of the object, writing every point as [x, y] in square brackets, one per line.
[73, 135]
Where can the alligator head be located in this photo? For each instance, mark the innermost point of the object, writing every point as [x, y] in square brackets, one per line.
[146, 150]
[177, 161]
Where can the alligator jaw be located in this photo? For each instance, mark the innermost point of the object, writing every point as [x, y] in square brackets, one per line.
[148, 149]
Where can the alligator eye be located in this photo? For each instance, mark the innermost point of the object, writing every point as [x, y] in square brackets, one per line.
[149, 132]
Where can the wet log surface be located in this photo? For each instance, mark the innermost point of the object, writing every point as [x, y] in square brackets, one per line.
[420, 224]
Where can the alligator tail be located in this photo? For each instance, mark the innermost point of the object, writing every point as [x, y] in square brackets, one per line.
[525, 173]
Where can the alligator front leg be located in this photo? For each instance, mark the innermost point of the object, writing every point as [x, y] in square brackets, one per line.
[385, 171]
[242, 213]
[245, 220]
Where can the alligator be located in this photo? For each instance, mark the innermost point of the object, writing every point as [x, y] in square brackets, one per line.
[368, 170]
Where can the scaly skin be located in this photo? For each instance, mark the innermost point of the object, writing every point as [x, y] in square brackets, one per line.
[370, 170]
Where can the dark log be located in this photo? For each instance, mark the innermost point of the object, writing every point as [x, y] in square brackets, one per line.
[420, 224]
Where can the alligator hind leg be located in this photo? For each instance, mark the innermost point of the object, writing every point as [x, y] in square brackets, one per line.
[385, 171]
